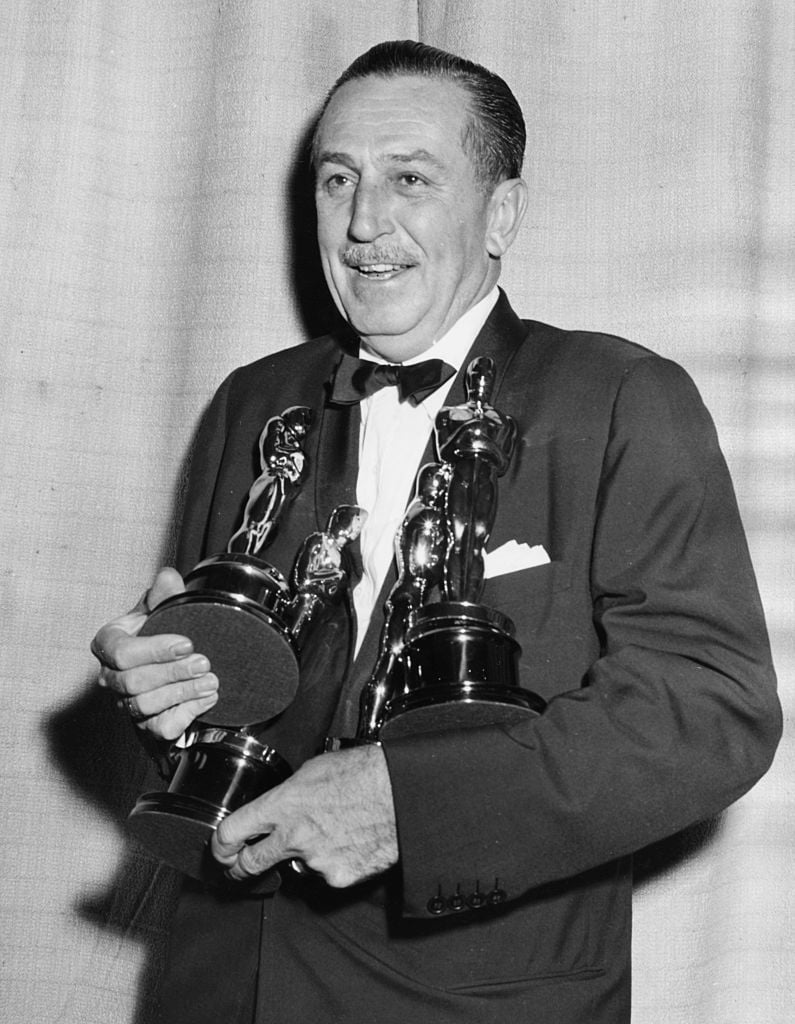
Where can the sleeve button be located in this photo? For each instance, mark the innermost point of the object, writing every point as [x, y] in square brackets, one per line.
[476, 899]
[456, 902]
[436, 905]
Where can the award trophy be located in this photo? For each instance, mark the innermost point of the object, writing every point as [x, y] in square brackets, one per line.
[451, 662]
[255, 627]
[235, 605]
[420, 551]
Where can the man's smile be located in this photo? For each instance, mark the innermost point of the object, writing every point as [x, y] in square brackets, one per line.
[380, 271]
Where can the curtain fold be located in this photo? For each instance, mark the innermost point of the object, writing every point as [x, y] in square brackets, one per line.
[157, 230]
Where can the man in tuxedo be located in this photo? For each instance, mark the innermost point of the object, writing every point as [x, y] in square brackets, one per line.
[482, 873]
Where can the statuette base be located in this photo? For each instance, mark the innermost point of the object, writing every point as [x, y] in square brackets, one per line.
[219, 772]
[233, 611]
[451, 707]
[461, 670]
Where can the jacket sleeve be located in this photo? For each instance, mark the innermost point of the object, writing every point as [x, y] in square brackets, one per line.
[677, 717]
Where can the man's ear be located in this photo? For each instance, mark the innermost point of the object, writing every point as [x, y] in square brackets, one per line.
[506, 211]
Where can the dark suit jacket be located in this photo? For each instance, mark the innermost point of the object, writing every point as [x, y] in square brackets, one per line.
[644, 633]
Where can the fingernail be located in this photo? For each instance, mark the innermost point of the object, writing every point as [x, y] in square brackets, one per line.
[198, 666]
[208, 685]
[181, 648]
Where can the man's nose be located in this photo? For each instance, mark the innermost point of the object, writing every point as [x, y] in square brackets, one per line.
[371, 215]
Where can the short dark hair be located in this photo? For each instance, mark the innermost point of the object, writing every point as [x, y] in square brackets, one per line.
[494, 137]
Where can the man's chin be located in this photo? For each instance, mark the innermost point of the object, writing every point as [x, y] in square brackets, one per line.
[390, 333]
[396, 348]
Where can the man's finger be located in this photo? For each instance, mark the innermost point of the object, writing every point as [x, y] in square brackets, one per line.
[155, 690]
[235, 831]
[255, 858]
[247, 826]
[110, 639]
[122, 652]
[168, 583]
[172, 723]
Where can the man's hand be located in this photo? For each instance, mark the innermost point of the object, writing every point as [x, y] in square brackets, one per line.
[335, 814]
[163, 684]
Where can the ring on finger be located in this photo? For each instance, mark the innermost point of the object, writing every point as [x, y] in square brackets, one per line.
[130, 705]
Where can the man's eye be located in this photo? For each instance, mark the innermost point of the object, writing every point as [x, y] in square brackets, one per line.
[411, 180]
[336, 182]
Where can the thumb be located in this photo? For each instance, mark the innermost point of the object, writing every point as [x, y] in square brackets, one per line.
[167, 583]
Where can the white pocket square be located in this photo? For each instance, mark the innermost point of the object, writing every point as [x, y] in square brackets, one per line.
[511, 557]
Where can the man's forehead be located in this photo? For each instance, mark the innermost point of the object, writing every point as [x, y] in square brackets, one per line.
[405, 118]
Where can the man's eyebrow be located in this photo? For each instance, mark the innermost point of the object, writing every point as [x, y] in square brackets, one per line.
[416, 156]
[328, 157]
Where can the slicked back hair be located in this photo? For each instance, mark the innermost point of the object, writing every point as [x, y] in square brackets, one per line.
[494, 136]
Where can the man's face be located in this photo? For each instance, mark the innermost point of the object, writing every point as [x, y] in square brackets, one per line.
[402, 223]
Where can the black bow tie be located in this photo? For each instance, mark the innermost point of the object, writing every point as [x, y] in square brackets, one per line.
[357, 378]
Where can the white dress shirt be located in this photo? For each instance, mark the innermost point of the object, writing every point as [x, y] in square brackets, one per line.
[392, 440]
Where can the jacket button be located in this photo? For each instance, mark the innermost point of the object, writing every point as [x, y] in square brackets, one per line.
[436, 905]
[476, 899]
[456, 902]
[497, 896]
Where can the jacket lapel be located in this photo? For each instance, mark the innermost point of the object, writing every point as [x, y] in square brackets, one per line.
[337, 459]
[499, 339]
[337, 462]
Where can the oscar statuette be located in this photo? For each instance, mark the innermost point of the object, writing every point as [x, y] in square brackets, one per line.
[450, 662]
[235, 604]
[256, 628]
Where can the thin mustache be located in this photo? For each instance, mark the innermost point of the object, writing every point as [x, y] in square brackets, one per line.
[356, 255]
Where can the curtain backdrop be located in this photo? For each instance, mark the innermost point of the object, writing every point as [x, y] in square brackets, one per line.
[157, 231]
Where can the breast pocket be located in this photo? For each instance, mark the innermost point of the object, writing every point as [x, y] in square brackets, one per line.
[548, 625]
[529, 596]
